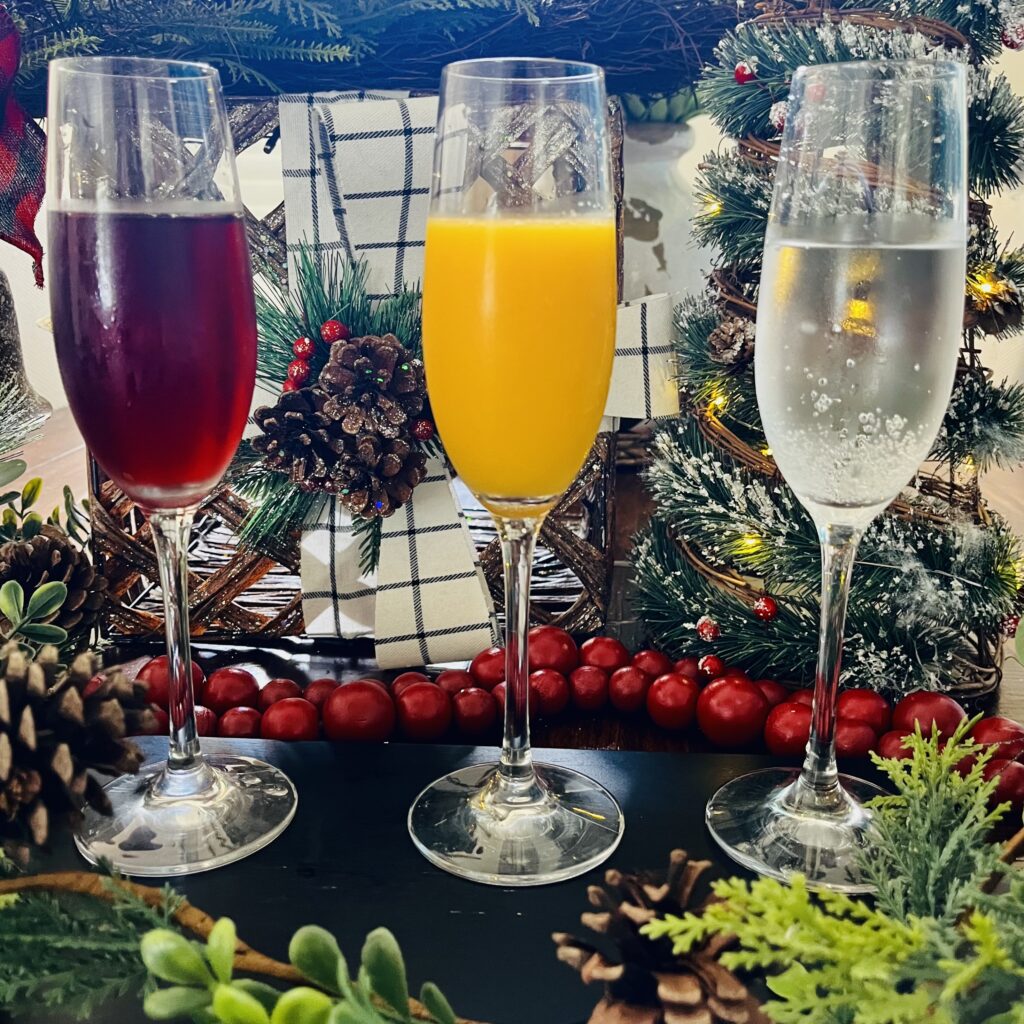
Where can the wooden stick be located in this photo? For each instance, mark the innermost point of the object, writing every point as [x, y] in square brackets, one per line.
[192, 919]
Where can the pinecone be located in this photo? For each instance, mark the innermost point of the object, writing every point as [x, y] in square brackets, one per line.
[55, 725]
[381, 476]
[732, 341]
[298, 439]
[52, 556]
[649, 984]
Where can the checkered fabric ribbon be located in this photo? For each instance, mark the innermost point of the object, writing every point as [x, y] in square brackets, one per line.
[357, 170]
[22, 155]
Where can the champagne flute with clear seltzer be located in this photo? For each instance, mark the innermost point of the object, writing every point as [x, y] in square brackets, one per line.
[519, 298]
[859, 319]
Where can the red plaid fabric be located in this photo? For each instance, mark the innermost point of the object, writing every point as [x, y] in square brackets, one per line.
[22, 156]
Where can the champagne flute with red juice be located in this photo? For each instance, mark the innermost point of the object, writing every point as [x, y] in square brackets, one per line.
[155, 328]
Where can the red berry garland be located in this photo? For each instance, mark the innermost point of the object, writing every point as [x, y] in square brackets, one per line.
[423, 430]
[707, 629]
[303, 347]
[298, 371]
[334, 330]
[743, 73]
[766, 608]
[289, 385]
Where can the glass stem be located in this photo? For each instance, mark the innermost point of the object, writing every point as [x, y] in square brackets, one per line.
[518, 538]
[170, 538]
[820, 776]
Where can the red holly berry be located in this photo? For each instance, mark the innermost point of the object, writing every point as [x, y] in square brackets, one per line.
[319, 690]
[743, 73]
[707, 629]
[778, 114]
[298, 371]
[289, 385]
[303, 347]
[1010, 624]
[291, 719]
[766, 608]
[239, 723]
[334, 330]
[422, 430]
[275, 690]
[1013, 36]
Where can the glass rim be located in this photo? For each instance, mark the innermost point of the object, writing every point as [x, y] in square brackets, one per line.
[108, 65]
[872, 68]
[582, 71]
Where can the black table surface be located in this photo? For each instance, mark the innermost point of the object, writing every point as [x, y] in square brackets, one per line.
[346, 862]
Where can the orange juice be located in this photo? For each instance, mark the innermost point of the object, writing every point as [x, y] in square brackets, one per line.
[518, 341]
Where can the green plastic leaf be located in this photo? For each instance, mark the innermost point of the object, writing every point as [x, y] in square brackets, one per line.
[31, 525]
[172, 1003]
[30, 492]
[10, 470]
[385, 968]
[220, 948]
[233, 1005]
[46, 600]
[9, 496]
[43, 632]
[433, 999]
[12, 601]
[347, 1013]
[266, 994]
[171, 957]
[302, 1006]
[314, 951]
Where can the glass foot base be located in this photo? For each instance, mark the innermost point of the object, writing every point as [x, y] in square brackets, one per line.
[180, 823]
[773, 824]
[557, 826]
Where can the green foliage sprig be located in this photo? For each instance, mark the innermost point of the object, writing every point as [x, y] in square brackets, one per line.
[935, 946]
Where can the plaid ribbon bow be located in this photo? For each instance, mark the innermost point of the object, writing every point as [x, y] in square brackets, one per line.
[22, 156]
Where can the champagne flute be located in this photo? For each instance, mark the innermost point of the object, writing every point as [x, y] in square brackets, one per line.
[155, 328]
[859, 321]
[519, 335]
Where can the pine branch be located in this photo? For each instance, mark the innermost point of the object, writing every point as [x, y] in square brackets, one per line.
[984, 423]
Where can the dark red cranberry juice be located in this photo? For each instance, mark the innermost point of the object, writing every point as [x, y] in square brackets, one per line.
[155, 326]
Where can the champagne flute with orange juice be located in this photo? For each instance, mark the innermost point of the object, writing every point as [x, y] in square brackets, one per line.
[519, 298]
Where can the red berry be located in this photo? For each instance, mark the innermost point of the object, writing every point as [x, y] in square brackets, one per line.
[158, 682]
[303, 347]
[454, 679]
[934, 711]
[498, 693]
[736, 673]
[298, 371]
[551, 647]
[549, 692]
[277, 689]
[424, 711]
[422, 430]
[231, 688]
[865, 706]
[93, 685]
[743, 73]
[405, 680]
[627, 688]
[1010, 786]
[604, 652]
[163, 721]
[334, 330]
[289, 385]
[359, 711]
[589, 685]
[731, 712]
[689, 667]
[707, 629]
[766, 608]
[475, 711]
[787, 729]
[1006, 735]
[654, 663]
[891, 745]
[239, 723]
[488, 667]
[152, 722]
[319, 690]
[854, 738]
[773, 692]
[801, 697]
[1013, 36]
[1010, 624]
[206, 721]
[292, 719]
[672, 700]
[710, 667]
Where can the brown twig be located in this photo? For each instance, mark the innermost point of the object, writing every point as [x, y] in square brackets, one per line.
[192, 919]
